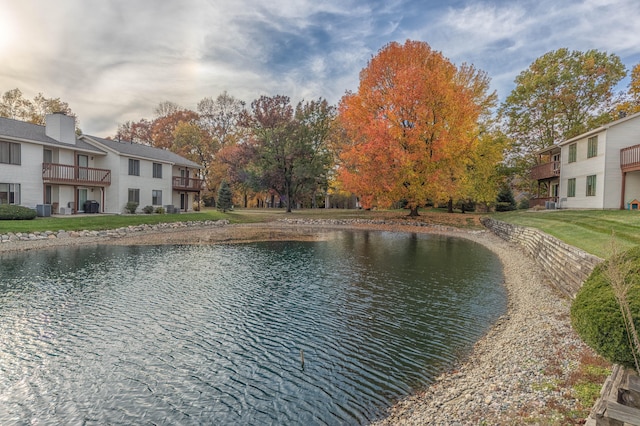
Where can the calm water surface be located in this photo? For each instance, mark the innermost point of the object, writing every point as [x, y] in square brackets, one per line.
[213, 334]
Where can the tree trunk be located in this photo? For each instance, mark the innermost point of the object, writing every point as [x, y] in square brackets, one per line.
[450, 205]
[414, 211]
[287, 186]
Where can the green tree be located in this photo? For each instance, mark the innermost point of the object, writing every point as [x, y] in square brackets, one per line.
[291, 146]
[225, 197]
[562, 94]
[505, 201]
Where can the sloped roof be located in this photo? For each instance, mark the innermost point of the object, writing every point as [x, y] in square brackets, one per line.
[144, 151]
[23, 131]
[601, 128]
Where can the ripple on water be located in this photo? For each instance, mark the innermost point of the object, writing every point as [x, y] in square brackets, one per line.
[201, 334]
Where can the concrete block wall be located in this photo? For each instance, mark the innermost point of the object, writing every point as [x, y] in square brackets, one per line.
[566, 266]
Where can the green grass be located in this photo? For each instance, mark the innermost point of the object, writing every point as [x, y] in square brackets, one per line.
[99, 222]
[590, 230]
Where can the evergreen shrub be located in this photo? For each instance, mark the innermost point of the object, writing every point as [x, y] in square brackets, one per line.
[131, 207]
[13, 212]
[505, 201]
[596, 315]
[148, 209]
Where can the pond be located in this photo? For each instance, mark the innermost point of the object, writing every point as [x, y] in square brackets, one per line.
[324, 332]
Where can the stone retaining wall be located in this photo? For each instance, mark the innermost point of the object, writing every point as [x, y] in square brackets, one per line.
[566, 266]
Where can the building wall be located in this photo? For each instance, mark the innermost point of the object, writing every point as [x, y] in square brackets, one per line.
[145, 183]
[620, 136]
[579, 170]
[28, 174]
[632, 188]
[606, 167]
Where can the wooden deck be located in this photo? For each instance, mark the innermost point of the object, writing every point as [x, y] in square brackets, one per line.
[74, 175]
[187, 184]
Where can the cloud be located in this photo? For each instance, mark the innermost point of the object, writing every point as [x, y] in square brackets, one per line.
[114, 61]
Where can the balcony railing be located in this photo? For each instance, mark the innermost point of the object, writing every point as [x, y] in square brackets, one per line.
[75, 175]
[187, 184]
[630, 158]
[545, 171]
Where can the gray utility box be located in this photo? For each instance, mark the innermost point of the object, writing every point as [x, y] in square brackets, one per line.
[43, 210]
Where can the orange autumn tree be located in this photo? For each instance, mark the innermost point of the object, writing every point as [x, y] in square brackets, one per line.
[412, 127]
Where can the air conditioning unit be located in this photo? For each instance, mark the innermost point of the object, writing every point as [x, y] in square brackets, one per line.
[65, 210]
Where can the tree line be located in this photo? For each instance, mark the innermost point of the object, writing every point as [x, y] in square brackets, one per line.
[418, 130]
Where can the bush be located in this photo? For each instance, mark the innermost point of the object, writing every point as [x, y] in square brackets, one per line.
[148, 209]
[225, 197]
[160, 210]
[596, 315]
[523, 204]
[131, 207]
[11, 212]
[505, 201]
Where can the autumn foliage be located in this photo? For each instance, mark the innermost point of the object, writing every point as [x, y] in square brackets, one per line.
[412, 127]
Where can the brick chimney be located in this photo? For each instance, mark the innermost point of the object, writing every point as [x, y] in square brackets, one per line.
[61, 127]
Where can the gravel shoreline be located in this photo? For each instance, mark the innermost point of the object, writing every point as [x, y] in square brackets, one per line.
[515, 374]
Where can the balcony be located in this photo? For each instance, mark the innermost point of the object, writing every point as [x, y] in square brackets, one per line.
[630, 159]
[74, 175]
[187, 184]
[548, 170]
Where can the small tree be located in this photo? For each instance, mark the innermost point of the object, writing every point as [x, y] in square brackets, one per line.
[224, 197]
[505, 201]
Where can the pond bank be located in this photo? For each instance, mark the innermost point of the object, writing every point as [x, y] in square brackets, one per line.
[516, 374]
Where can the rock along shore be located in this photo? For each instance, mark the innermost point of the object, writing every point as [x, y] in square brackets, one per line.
[516, 374]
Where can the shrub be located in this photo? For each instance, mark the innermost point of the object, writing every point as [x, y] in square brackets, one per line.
[523, 204]
[12, 212]
[131, 207]
[160, 210]
[225, 197]
[596, 314]
[148, 209]
[505, 201]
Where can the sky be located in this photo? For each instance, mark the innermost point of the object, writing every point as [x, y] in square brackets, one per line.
[115, 60]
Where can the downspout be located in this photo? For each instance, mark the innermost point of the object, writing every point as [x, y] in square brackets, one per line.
[624, 182]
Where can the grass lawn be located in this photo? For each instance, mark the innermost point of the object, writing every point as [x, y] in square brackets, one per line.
[590, 230]
[99, 222]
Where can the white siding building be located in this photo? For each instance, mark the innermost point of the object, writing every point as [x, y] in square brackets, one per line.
[49, 165]
[600, 169]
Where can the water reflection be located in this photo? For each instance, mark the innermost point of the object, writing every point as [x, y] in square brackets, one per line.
[212, 334]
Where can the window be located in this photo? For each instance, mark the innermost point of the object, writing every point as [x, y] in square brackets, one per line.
[9, 193]
[47, 156]
[592, 147]
[134, 196]
[10, 153]
[157, 170]
[571, 187]
[591, 186]
[156, 197]
[134, 167]
[573, 152]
